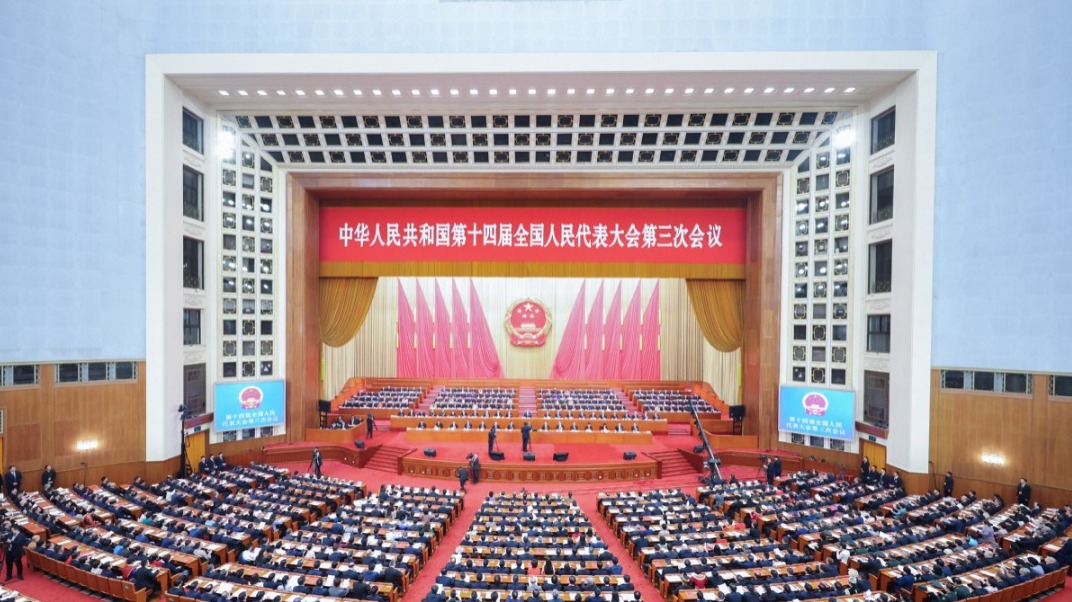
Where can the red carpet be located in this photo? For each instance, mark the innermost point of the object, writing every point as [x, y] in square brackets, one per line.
[38, 586]
[579, 452]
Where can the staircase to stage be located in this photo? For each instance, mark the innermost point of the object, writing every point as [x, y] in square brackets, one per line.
[386, 458]
[673, 463]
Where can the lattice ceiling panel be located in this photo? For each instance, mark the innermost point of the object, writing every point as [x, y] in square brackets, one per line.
[743, 138]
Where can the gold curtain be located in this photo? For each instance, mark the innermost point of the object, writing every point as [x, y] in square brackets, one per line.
[344, 303]
[719, 308]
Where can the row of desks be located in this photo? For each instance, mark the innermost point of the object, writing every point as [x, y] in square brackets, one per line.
[503, 436]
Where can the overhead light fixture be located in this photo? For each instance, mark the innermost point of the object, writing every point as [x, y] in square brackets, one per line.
[300, 92]
[689, 90]
[358, 92]
[844, 137]
[474, 92]
[551, 91]
[281, 92]
[571, 91]
[87, 445]
[993, 459]
[768, 90]
[243, 93]
[668, 91]
[828, 90]
[512, 91]
[532, 91]
[708, 90]
[396, 92]
[610, 91]
[789, 90]
[590, 91]
[434, 91]
[224, 93]
[415, 92]
[493, 92]
[225, 143]
[850, 90]
[262, 93]
[728, 91]
[649, 90]
[809, 90]
[339, 92]
[629, 90]
[454, 92]
[377, 92]
[318, 92]
[749, 90]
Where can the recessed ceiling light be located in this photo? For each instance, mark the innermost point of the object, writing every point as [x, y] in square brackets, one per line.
[493, 92]
[281, 92]
[532, 91]
[749, 90]
[474, 92]
[809, 90]
[689, 90]
[571, 91]
[262, 93]
[629, 90]
[610, 91]
[828, 90]
[377, 92]
[224, 93]
[415, 92]
[728, 91]
[243, 93]
[551, 91]
[789, 90]
[649, 90]
[708, 90]
[669, 91]
[590, 91]
[512, 91]
[396, 92]
[434, 91]
[339, 93]
[300, 92]
[844, 137]
[358, 92]
[768, 90]
[318, 92]
[453, 91]
[850, 90]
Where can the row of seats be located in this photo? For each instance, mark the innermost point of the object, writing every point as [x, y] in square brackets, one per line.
[384, 398]
[532, 545]
[661, 400]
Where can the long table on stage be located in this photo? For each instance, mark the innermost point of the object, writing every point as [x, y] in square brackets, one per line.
[504, 436]
[345, 435]
[652, 426]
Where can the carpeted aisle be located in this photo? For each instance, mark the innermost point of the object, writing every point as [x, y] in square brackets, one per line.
[36, 585]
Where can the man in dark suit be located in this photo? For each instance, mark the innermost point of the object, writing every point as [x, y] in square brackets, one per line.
[48, 478]
[474, 467]
[144, 578]
[526, 436]
[463, 477]
[12, 480]
[947, 485]
[491, 439]
[1023, 492]
[14, 544]
[370, 425]
[204, 466]
[317, 461]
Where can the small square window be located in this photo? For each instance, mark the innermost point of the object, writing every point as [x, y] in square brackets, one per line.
[800, 291]
[840, 332]
[818, 311]
[821, 246]
[249, 348]
[230, 327]
[267, 348]
[266, 225]
[820, 290]
[230, 369]
[818, 354]
[266, 307]
[266, 327]
[193, 128]
[249, 369]
[230, 349]
[802, 227]
[230, 242]
[249, 327]
[800, 332]
[802, 206]
[802, 249]
[266, 245]
[798, 374]
[266, 287]
[249, 306]
[249, 223]
[266, 368]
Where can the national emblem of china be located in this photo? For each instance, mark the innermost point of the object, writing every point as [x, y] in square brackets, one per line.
[528, 323]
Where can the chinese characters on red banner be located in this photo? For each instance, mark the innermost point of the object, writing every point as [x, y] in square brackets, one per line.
[532, 234]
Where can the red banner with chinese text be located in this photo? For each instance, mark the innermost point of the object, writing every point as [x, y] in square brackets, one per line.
[533, 234]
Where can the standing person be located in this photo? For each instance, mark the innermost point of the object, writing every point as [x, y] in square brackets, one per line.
[14, 544]
[768, 469]
[865, 468]
[317, 461]
[526, 436]
[370, 425]
[48, 478]
[947, 485]
[491, 439]
[463, 477]
[13, 480]
[777, 467]
[474, 467]
[1023, 491]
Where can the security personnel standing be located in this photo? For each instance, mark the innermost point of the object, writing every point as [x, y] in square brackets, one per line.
[14, 545]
